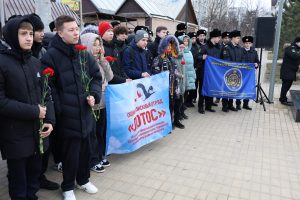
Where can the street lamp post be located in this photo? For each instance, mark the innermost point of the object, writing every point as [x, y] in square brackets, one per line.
[275, 52]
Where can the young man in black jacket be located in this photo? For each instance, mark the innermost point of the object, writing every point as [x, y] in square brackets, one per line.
[161, 32]
[110, 49]
[211, 48]
[232, 52]
[20, 110]
[38, 51]
[249, 55]
[73, 103]
[290, 66]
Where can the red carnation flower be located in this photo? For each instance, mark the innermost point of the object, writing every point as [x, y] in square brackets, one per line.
[183, 62]
[80, 47]
[110, 58]
[48, 72]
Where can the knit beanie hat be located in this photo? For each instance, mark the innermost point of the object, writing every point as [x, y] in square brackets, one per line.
[140, 34]
[103, 27]
[35, 21]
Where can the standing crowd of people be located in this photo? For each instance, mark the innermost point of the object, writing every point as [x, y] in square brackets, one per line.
[108, 54]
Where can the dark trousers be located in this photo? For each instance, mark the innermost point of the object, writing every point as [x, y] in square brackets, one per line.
[188, 97]
[208, 100]
[245, 102]
[227, 103]
[23, 177]
[178, 110]
[171, 106]
[285, 87]
[75, 162]
[54, 148]
[98, 140]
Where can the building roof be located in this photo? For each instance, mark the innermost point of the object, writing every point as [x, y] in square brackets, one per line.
[23, 7]
[170, 8]
[162, 8]
[108, 6]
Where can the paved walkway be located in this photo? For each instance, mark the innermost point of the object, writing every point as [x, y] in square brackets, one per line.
[219, 156]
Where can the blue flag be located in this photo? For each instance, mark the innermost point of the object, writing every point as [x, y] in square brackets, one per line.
[137, 113]
[225, 79]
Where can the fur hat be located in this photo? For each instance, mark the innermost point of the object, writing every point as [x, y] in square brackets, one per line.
[215, 33]
[140, 34]
[35, 21]
[225, 34]
[140, 28]
[235, 33]
[192, 34]
[201, 31]
[181, 27]
[247, 39]
[103, 27]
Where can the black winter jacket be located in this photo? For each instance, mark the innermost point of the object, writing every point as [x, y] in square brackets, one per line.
[73, 113]
[20, 94]
[119, 74]
[250, 56]
[232, 53]
[290, 63]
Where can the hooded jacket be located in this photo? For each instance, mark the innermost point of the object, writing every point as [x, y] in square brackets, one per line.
[72, 110]
[20, 94]
[166, 61]
[190, 73]
[290, 63]
[88, 40]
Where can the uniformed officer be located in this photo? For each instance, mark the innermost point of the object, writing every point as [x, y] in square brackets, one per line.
[232, 52]
[199, 63]
[249, 56]
[225, 38]
[211, 48]
[225, 41]
[195, 51]
[289, 67]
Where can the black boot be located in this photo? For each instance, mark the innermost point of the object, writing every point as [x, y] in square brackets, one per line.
[238, 107]
[201, 110]
[210, 109]
[247, 107]
[48, 185]
[177, 124]
[232, 108]
[225, 109]
[184, 116]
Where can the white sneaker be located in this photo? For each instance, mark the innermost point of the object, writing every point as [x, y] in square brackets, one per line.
[88, 187]
[69, 195]
[58, 167]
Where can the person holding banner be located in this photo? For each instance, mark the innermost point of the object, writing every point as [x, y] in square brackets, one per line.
[225, 41]
[232, 52]
[134, 60]
[168, 51]
[211, 48]
[289, 68]
[249, 56]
